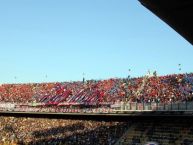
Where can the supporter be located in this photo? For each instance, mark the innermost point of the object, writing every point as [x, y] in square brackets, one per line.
[59, 131]
[147, 89]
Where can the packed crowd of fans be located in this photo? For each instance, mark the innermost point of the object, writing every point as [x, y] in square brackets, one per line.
[36, 131]
[170, 88]
[95, 95]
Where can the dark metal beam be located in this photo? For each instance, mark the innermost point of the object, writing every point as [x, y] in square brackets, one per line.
[176, 13]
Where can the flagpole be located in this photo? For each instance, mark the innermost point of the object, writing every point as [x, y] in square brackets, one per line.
[83, 75]
[179, 67]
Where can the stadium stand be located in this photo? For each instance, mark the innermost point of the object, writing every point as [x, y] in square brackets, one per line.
[38, 131]
[163, 132]
[92, 94]
[138, 131]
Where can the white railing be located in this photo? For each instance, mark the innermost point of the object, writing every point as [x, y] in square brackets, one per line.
[182, 106]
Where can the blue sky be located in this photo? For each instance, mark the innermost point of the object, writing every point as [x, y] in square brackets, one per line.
[104, 39]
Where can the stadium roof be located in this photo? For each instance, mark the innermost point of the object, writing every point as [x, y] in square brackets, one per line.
[176, 13]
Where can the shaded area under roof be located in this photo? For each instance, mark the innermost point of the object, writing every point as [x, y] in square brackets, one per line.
[176, 13]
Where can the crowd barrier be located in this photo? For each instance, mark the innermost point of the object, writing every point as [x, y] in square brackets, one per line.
[181, 106]
[173, 106]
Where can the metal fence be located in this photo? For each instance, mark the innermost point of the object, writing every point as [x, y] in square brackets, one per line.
[182, 106]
